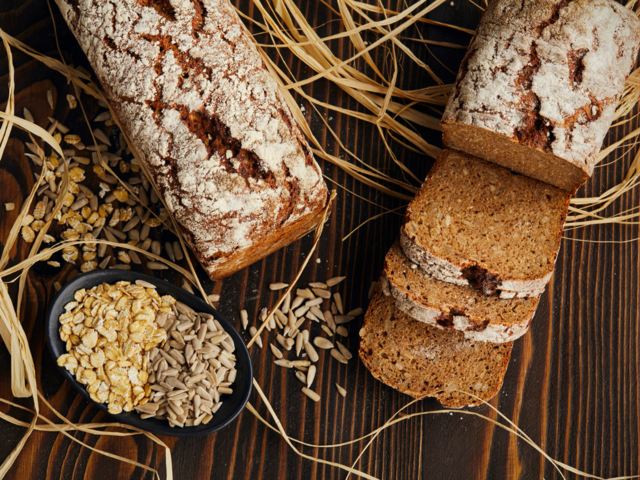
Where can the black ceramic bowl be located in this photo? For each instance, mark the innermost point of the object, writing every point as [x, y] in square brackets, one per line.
[232, 404]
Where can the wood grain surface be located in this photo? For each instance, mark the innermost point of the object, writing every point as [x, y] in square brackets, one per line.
[571, 384]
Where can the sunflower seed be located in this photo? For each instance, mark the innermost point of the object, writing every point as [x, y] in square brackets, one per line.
[323, 343]
[177, 250]
[120, 266]
[313, 355]
[244, 318]
[344, 351]
[253, 332]
[311, 394]
[342, 331]
[275, 351]
[283, 363]
[156, 266]
[340, 319]
[156, 248]
[286, 303]
[296, 302]
[311, 375]
[305, 293]
[341, 390]
[103, 117]
[50, 99]
[338, 300]
[283, 341]
[302, 377]
[313, 303]
[327, 330]
[104, 263]
[334, 281]
[325, 294]
[338, 356]
[355, 312]
[318, 285]
[299, 343]
[27, 115]
[168, 246]
[301, 311]
[278, 286]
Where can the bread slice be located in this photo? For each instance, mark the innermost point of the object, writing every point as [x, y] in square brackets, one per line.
[539, 86]
[423, 361]
[445, 305]
[474, 223]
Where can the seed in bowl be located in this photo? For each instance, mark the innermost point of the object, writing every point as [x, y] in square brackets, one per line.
[193, 369]
[108, 331]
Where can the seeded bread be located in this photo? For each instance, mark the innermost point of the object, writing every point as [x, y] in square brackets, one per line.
[538, 88]
[423, 361]
[474, 223]
[192, 92]
[445, 305]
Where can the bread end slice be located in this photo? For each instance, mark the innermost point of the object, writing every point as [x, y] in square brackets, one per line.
[423, 361]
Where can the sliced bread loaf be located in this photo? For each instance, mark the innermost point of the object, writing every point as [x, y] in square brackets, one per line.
[457, 307]
[474, 223]
[423, 361]
[540, 84]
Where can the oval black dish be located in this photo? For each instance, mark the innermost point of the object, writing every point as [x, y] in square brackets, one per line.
[232, 404]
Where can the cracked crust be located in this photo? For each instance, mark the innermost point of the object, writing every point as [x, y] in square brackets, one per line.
[454, 307]
[422, 361]
[192, 92]
[539, 86]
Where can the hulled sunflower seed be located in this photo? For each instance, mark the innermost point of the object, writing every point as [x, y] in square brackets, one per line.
[276, 351]
[311, 394]
[299, 343]
[313, 355]
[324, 294]
[283, 363]
[177, 250]
[278, 286]
[337, 298]
[323, 343]
[311, 375]
[341, 390]
[334, 281]
[244, 318]
[341, 319]
[355, 312]
[327, 330]
[253, 332]
[344, 351]
[168, 246]
[302, 377]
[296, 302]
[342, 331]
[338, 356]
[286, 303]
[156, 266]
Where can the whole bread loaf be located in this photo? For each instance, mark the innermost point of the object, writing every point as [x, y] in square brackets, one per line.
[423, 361]
[475, 223]
[456, 307]
[539, 86]
[192, 92]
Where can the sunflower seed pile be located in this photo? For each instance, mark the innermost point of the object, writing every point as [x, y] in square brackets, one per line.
[194, 370]
[316, 303]
[123, 208]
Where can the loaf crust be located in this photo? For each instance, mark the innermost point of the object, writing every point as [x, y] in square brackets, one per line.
[423, 361]
[539, 86]
[192, 92]
[473, 222]
[454, 307]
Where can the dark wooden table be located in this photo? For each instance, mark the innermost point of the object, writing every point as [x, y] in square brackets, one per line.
[571, 385]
